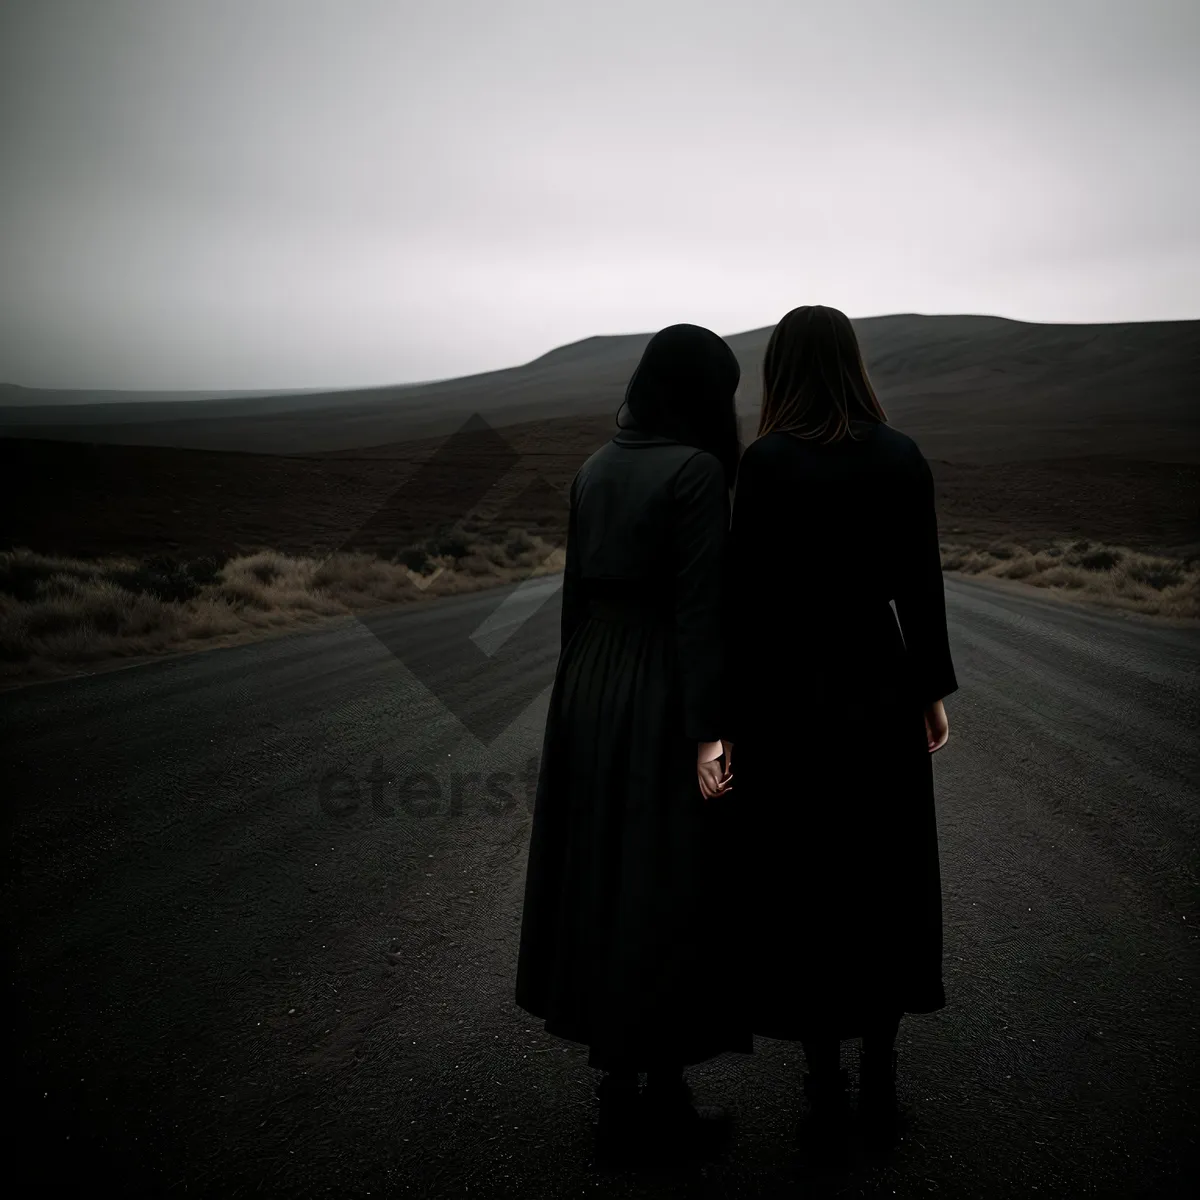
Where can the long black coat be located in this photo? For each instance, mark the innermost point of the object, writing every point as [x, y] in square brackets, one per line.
[626, 931]
[832, 774]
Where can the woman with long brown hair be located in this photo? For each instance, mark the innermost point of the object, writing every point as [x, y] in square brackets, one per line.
[834, 710]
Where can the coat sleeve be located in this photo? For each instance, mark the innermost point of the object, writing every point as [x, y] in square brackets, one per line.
[701, 530]
[920, 593]
[572, 597]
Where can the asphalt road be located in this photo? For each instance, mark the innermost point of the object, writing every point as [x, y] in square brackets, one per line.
[264, 901]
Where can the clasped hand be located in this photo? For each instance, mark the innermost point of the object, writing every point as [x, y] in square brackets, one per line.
[716, 779]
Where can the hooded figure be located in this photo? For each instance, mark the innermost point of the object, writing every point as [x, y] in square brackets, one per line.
[683, 388]
[627, 939]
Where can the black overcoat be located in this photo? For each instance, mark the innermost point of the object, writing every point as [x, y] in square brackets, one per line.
[832, 774]
[627, 930]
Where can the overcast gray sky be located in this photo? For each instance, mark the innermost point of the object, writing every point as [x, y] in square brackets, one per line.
[279, 193]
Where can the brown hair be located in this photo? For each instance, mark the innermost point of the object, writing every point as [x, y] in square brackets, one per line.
[814, 380]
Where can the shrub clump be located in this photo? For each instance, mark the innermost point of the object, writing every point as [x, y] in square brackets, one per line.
[415, 558]
[1114, 576]
[518, 543]
[1100, 560]
[451, 543]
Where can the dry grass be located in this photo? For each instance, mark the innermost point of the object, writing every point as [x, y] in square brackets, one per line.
[58, 613]
[1113, 576]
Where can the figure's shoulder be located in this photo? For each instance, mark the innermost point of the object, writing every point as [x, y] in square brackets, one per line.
[600, 459]
[586, 468]
[882, 444]
[593, 469]
[662, 460]
[901, 447]
[894, 440]
[774, 455]
[596, 456]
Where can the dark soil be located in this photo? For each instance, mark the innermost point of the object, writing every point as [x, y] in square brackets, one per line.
[93, 499]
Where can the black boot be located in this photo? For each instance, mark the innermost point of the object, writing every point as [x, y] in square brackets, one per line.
[824, 1134]
[675, 1127]
[619, 1127]
[877, 1100]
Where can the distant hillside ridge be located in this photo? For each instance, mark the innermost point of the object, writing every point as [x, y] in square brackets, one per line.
[969, 388]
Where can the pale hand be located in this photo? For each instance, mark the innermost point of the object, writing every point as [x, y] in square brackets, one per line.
[937, 727]
[713, 780]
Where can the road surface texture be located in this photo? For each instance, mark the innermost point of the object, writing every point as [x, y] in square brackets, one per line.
[264, 905]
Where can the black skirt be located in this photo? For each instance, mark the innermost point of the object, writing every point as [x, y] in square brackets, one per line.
[629, 940]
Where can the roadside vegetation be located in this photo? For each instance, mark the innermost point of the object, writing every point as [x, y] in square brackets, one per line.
[1111, 576]
[59, 614]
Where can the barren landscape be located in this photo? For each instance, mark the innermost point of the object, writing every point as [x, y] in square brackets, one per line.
[1065, 457]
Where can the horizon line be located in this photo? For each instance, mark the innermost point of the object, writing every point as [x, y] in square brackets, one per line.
[234, 393]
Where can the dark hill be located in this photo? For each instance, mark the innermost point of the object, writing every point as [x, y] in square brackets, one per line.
[968, 388]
